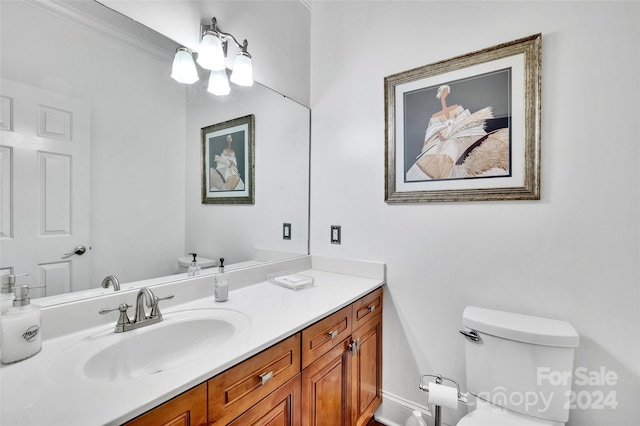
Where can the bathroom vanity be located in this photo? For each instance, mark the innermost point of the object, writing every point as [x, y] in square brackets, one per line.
[330, 372]
[276, 354]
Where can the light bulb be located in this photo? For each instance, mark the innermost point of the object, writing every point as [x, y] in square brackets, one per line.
[211, 55]
[242, 74]
[219, 83]
[184, 69]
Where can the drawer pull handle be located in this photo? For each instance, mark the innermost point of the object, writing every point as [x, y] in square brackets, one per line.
[372, 308]
[333, 334]
[265, 377]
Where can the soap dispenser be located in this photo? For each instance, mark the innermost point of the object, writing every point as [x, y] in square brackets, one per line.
[221, 284]
[194, 269]
[6, 291]
[415, 419]
[20, 336]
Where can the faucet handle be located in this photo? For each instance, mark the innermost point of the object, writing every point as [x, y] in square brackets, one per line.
[122, 308]
[122, 319]
[155, 311]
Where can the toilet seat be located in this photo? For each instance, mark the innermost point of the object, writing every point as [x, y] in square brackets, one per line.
[490, 415]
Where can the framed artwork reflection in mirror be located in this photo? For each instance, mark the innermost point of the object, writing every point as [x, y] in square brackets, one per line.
[228, 164]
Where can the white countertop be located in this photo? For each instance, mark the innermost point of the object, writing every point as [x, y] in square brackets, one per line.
[31, 394]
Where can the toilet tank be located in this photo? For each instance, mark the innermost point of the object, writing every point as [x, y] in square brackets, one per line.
[521, 363]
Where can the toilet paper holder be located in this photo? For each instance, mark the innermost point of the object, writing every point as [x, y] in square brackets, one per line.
[462, 397]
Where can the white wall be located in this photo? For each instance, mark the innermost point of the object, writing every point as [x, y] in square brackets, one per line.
[573, 255]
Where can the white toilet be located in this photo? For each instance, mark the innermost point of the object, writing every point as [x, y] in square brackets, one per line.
[519, 368]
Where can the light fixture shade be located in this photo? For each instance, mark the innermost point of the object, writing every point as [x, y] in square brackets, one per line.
[219, 83]
[211, 55]
[242, 70]
[184, 69]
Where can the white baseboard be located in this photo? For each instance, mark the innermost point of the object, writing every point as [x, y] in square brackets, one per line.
[394, 410]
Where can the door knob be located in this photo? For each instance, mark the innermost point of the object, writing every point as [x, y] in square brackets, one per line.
[79, 250]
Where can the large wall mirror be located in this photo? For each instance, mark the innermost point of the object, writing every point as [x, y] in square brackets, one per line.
[101, 148]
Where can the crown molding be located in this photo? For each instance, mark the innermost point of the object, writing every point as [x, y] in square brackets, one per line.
[124, 34]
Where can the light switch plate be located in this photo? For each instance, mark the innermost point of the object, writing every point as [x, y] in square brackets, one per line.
[336, 234]
[286, 231]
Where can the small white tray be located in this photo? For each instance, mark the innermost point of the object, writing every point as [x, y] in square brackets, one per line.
[290, 280]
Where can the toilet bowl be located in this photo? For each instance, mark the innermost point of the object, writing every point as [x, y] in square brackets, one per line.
[505, 354]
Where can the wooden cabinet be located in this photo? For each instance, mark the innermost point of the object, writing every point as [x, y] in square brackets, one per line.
[187, 409]
[342, 379]
[329, 374]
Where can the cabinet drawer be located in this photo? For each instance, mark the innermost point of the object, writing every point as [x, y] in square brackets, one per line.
[366, 307]
[319, 338]
[188, 409]
[281, 407]
[237, 389]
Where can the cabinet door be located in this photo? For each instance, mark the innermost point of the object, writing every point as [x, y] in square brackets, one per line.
[325, 389]
[280, 408]
[366, 371]
[188, 409]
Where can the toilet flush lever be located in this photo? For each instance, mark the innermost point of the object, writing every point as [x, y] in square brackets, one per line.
[471, 335]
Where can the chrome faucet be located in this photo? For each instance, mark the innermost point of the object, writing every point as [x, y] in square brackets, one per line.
[141, 319]
[152, 302]
[111, 280]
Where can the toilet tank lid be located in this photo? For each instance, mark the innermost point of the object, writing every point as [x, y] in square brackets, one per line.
[521, 328]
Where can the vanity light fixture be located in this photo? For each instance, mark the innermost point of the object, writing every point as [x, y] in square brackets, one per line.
[212, 56]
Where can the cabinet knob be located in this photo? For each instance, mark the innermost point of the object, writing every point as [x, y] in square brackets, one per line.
[354, 346]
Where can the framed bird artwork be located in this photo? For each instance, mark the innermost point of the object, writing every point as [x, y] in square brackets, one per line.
[466, 128]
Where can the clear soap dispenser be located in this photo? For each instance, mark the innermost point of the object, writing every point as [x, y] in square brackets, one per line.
[194, 269]
[415, 419]
[20, 336]
[221, 284]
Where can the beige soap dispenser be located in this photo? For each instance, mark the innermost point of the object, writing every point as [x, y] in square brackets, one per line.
[20, 336]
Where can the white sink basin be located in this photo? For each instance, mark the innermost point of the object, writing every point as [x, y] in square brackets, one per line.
[182, 337]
